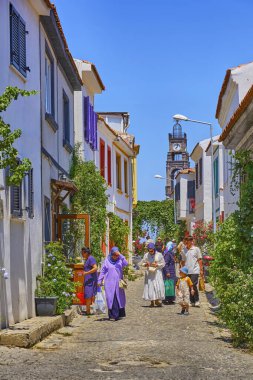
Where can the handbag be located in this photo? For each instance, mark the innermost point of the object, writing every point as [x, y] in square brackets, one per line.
[169, 285]
[122, 284]
[202, 284]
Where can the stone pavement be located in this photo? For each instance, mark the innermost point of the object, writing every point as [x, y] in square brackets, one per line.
[150, 343]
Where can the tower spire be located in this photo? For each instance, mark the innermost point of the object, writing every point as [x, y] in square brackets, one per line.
[177, 157]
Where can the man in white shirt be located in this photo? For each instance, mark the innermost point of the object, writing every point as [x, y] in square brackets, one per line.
[193, 261]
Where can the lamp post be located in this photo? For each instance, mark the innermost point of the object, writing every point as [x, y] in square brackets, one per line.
[158, 176]
[184, 118]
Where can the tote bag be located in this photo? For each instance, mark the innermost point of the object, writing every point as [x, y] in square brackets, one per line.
[169, 287]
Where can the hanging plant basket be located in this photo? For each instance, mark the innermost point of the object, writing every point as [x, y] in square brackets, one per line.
[45, 306]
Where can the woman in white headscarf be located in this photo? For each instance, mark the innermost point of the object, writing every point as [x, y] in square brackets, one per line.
[154, 290]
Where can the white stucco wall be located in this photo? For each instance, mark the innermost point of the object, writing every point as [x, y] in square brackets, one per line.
[119, 202]
[203, 208]
[52, 140]
[21, 238]
[241, 79]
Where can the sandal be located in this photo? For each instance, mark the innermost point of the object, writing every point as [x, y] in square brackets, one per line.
[152, 304]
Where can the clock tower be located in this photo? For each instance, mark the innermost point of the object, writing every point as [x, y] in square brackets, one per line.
[177, 157]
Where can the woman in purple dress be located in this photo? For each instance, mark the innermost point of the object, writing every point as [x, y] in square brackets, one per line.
[169, 271]
[90, 278]
[112, 273]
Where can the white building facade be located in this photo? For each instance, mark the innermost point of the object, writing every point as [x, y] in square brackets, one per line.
[185, 197]
[203, 182]
[115, 157]
[20, 216]
[234, 113]
[218, 176]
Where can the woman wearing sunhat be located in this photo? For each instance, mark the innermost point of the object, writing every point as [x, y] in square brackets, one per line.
[154, 290]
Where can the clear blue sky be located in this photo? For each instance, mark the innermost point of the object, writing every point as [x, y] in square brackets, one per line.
[158, 58]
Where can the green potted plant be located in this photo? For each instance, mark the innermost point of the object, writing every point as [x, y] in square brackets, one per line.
[55, 289]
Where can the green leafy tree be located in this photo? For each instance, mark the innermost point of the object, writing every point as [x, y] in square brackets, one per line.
[232, 269]
[90, 199]
[155, 216]
[9, 154]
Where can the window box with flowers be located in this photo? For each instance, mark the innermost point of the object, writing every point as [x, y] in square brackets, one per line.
[55, 289]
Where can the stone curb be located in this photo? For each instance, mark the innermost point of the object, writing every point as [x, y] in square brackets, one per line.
[31, 331]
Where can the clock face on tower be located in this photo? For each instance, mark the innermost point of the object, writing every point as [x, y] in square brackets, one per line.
[176, 147]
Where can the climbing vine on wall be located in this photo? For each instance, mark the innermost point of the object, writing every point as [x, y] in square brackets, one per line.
[91, 198]
[8, 153]
[119, 232]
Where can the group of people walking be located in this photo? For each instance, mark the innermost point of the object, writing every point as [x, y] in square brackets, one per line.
[162, 285]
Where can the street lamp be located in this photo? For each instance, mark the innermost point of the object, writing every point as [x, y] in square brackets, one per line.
[158, 176]
[185, 118]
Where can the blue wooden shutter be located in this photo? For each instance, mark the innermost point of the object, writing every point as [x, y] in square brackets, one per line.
[197, 175]
[200, 171]
[86, 118]
[95, 131]
[17, 41]
[91, 126]
[22, 47]
[177, 192]
[66, 118]
[190, 189]
[90, 123]
[14, 37]
[30, 194]
[16, 201]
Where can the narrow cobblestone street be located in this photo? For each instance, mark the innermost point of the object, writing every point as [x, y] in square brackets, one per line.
[149, 344]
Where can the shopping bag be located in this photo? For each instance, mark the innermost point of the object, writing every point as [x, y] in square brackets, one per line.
[100, 303]
[169, 287]
[201, 284]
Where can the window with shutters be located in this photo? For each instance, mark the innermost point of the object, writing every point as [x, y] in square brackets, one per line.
[177, 192]
[191, 196]
[200, 171]
[49, 82]
[109, 166]
[18, 41]
[90, 124]
[47, 220]
[216, 177]
[197, 175]
[16, 201]
[118, 171]
[66, 123]
[30, 194]
[126, 176]
[102, 157]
